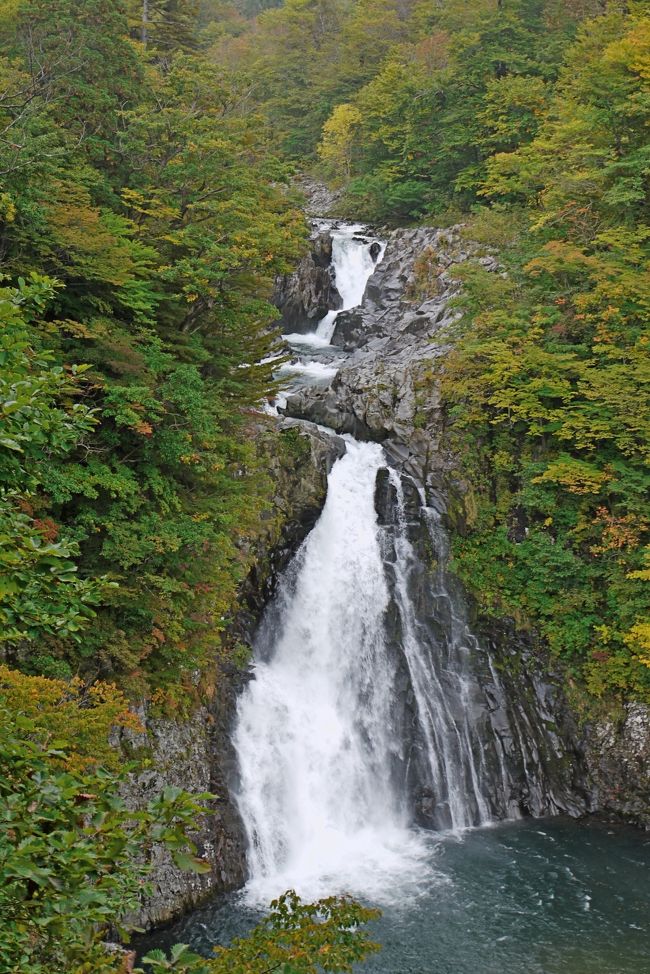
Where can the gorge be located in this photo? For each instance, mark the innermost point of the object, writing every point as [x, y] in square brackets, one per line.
[324, 440]
[388, 745]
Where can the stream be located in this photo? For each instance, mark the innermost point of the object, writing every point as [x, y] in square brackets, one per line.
[365, 722]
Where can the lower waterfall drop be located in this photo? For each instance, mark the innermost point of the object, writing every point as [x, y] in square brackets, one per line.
[316, 735]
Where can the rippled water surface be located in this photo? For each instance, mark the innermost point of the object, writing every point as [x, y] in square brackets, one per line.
[543, 897]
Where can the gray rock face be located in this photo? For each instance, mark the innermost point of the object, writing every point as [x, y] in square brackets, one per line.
[524, 742]
[618, 754]
[194, 754]
[305, 296]
[320, 200]
[384, 391]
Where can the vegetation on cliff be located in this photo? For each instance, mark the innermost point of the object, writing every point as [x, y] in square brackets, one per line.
[143, 222]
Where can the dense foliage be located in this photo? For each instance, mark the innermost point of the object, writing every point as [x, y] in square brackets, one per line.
[296, 938]
[550, 383]
[143, 220]
[151, 207]
[71, 853]
[527, 120]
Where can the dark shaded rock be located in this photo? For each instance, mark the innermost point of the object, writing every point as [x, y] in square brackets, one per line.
[512, 714]
[306, 295]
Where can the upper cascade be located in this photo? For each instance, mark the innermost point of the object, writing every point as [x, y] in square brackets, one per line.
[354, 258]
[353, 253]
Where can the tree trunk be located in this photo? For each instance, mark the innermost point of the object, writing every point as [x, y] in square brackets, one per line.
[145, 21]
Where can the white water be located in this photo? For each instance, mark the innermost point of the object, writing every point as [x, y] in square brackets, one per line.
[312, 371]
[315, 737]
[321, 728]
[353, 265]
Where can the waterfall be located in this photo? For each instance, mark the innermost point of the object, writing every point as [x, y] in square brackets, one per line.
[365, 715]
[353, 263]
[354, 258]
[443, 712]
[322, 734]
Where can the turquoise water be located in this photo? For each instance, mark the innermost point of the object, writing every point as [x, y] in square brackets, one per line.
[535, 897]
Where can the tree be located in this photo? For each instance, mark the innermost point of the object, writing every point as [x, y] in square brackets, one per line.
[296, 938]
[40, 591]
[340, 139]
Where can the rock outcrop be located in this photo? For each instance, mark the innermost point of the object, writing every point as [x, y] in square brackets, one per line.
[305, 296]
[618, 755]
[384, 391]
[194, 754]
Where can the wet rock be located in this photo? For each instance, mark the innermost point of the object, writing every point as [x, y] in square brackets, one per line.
[306, 296]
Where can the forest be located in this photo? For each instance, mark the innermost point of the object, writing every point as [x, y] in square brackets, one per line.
[148, 202]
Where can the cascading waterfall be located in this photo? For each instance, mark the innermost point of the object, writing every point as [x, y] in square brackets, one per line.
[354, 258]
[326, 743]
[320, 734]
[377, 730]
[353, 263]
[316, 736]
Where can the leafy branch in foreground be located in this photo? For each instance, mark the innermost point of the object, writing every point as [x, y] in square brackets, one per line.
[73, 860]
[296, 938]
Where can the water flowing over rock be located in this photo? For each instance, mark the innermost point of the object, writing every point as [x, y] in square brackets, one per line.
[379, 700]
[374, 705]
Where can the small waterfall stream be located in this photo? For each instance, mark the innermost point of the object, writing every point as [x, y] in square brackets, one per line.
[353, 261]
